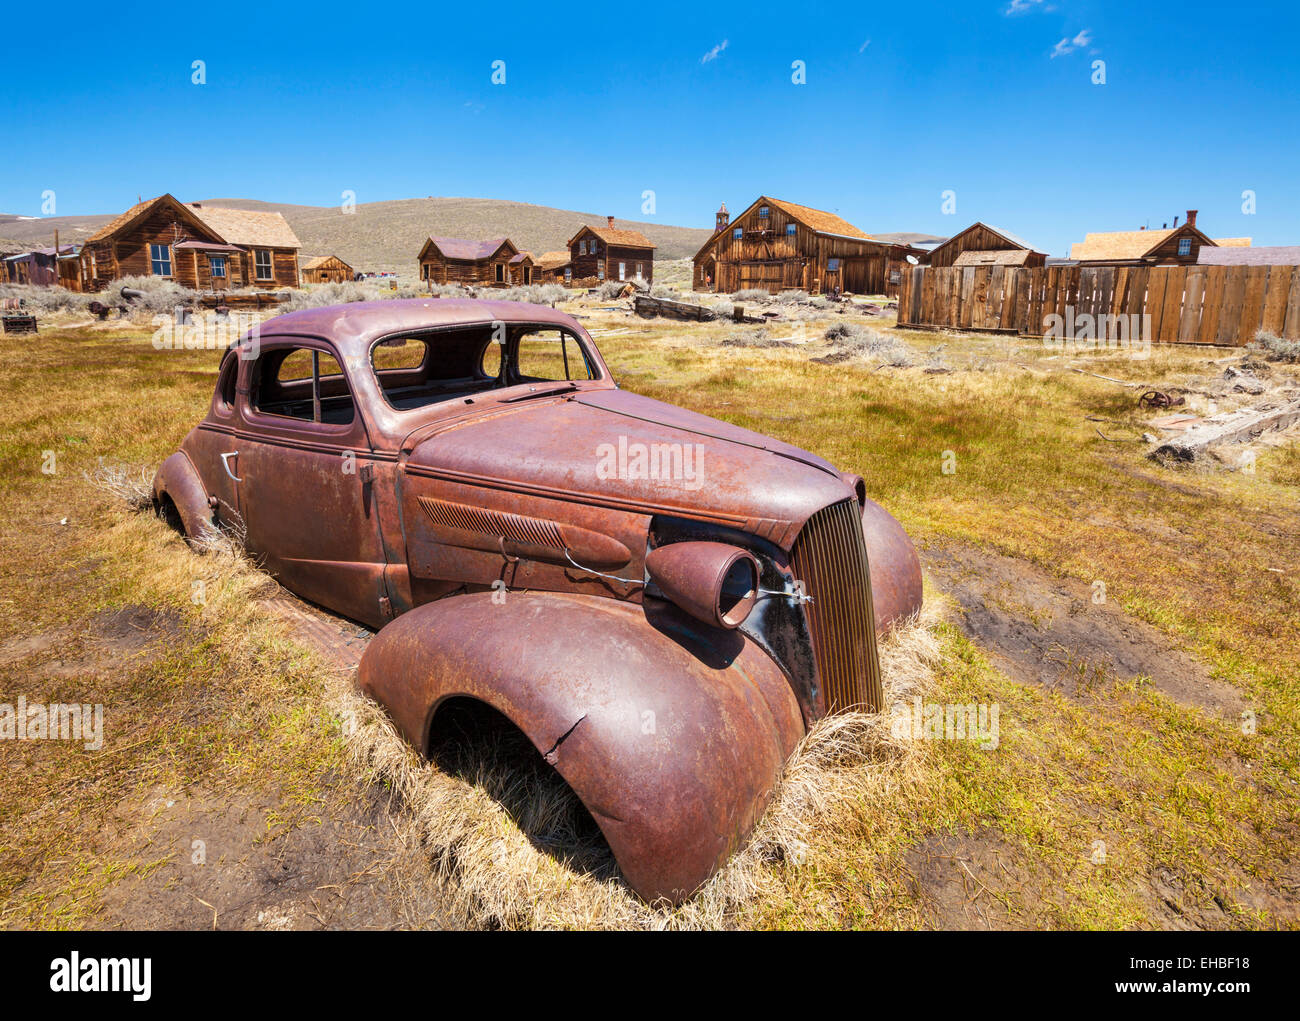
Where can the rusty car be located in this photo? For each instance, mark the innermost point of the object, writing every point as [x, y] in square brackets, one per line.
[662, 602]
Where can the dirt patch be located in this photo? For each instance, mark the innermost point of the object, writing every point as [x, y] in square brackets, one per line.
[971, 881]
[230, 863]
[1045, 630]
[102, 643]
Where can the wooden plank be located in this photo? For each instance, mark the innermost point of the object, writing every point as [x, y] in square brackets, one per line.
[1291, 329]
[1211, 304]
[1233, 295]
[1252, 308]
[1275, 298]
[1105, 291]
[1191, 317]
[1155, 304]
[967, 290]
[1018, 318]
[1175, 292]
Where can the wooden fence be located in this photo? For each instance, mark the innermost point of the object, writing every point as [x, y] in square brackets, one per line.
[1184, 304]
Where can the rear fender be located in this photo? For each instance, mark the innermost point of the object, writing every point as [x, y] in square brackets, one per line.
[178, 479]
[672, 734]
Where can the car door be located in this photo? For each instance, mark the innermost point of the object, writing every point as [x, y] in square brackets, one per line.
[304, 469]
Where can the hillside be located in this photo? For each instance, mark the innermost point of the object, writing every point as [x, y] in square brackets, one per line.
[388, 235]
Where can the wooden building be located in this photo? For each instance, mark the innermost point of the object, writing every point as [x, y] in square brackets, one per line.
[522, 268]
[40, 267]
[203, 248]
[982, 245]
[604, 253]
[326, 269]
[462, 261]
[1176, 246]
[1241, 255]
[554, 268]
[779, 246]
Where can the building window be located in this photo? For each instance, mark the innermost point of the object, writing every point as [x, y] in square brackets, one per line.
[160, 260]
[217, 266]
[1184, 246]
[582, 247]
[832, 265]
[738, 233]
[600, 268]
[790, 230]
[763, 212]
[262, 263]
[568, 274]
[622, 270]
[639, 266]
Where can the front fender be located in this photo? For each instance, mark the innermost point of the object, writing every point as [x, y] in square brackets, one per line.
[179, 479]
[671, 733]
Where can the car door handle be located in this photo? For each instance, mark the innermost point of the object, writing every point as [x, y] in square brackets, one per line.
[225, 463]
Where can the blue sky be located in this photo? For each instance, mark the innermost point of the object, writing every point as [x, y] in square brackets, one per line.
[902, 102]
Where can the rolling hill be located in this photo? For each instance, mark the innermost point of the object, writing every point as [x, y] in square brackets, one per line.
[388, 235]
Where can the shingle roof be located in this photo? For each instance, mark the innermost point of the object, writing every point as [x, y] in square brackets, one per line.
[520, 257]
[1000, 257]
[616, 236]
[1232, 242]
[320, 260]
[553, 260]
[820, 220]
[1118, 244]
[1239, 255]
[464, 248]
[137, 210]
[246, 227]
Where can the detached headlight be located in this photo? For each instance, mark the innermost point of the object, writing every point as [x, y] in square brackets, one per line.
[712, 581]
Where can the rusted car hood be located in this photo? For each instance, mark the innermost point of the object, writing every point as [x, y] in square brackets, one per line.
[623, 450]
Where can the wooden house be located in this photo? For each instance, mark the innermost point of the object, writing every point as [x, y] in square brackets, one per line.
[778, 246]
[554, 268]
[1176, 246]
[522, 268]
[40, 267]
[326, 269]
[164, 237]
[462, 261]
[983, 245]
[604, 253]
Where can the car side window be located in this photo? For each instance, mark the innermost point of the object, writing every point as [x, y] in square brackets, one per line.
[302, 383]
[545, 355]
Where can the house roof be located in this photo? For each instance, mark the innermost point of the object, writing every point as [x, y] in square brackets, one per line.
[616, 236]
[316, 261]
[1232, 242]
[141, 209]
[1012, 239]
[1107, 246]
[1239, 255]
[208, 246]
[818, 219]
[553, 260]
[996, 257]
[466, 249]
[521, 256]
[246, 227]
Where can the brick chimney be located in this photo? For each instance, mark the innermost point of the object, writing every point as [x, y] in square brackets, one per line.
[610, 219]
[1191, 217]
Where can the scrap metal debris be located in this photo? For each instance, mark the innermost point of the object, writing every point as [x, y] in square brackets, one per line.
[1160, 399]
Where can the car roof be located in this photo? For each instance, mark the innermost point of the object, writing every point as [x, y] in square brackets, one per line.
[355, 325]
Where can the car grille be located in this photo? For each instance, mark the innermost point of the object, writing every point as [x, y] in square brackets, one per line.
[830, 558]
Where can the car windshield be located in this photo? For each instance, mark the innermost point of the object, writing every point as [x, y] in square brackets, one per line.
[416, 370]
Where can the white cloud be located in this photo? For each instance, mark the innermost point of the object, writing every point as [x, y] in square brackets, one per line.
[864, 45]
[1068, 45]
[714, 53]
[1023, 6]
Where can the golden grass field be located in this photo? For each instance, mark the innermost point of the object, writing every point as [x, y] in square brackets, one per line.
[1165, 797]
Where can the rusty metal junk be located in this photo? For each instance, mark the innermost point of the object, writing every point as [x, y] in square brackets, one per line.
[467, 477]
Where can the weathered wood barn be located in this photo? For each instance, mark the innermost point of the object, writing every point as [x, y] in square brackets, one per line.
[777, 246]
[326, 269]
[462, 261]
[204, 248]
[1176, 246]
[554, 268]
[982, 245]
[610, 253]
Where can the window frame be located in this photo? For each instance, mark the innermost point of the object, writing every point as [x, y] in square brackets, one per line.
[257, 264]
[164, 259]
[737, 233]
[213, 262]
[255, 415]
[1184, 246]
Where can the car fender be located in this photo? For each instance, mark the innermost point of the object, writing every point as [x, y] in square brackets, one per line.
[896, 590]
[673, 734]
[179, 480]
